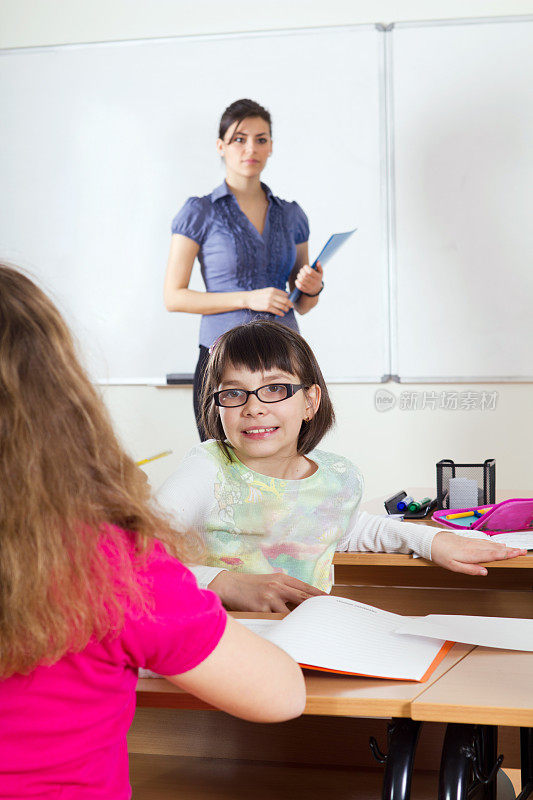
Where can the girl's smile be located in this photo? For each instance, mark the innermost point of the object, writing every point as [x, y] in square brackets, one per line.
[259, 433]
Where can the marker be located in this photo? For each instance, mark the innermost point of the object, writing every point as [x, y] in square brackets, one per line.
[415, 507]
[480, 511]
[153, 458]
[403, 504]
[460, 515]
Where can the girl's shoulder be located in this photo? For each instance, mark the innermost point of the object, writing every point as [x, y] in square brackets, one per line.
[194, 473]
[336, 464]
[205, 457]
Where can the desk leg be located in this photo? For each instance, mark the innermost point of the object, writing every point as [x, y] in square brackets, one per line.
[402, 740]
[469, 762]
[489, 756]
[456, 763]
[526, 762]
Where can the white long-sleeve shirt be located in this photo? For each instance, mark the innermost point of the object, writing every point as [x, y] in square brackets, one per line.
[254, 523]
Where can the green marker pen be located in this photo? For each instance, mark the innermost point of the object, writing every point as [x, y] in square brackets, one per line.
[415, 507]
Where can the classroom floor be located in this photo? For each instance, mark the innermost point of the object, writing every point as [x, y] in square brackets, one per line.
[158, 777]
[164, 777]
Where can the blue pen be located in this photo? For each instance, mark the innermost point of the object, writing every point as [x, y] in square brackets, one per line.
[329, 249]
[402, 505]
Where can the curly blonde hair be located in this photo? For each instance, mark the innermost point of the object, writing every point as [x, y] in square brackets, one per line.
[68, 491]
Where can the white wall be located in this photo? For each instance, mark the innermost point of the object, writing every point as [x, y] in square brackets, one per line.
[25, 23]
[396, 449]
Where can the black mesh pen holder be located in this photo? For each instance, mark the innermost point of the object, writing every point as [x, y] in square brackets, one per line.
[484, 475]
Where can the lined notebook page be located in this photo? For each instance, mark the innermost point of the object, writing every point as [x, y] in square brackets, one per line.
[343, 635]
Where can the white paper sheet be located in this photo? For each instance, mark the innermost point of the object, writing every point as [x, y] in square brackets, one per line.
[503, 632]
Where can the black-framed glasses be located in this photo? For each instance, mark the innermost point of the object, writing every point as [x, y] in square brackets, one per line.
[271, 393]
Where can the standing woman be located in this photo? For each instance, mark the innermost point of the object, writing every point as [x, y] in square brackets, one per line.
[249, 242]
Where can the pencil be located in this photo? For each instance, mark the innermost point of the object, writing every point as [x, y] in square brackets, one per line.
[153, 458]
[461, 514]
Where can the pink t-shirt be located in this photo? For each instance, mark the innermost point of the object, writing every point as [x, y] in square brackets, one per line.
[63, 728]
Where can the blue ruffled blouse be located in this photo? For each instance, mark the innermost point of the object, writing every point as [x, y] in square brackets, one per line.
[234, 256]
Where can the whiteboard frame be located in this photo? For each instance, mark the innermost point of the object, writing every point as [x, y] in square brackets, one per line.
[395, 377]
[286, 32]
[388, 189]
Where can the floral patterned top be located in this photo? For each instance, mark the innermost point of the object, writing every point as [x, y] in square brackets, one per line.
[257, 524]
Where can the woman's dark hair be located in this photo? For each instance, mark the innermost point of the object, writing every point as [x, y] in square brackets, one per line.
[239, 111]
[261, 346]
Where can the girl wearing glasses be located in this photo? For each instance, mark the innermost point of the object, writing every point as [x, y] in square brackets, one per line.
[271, 507]
[250, 243]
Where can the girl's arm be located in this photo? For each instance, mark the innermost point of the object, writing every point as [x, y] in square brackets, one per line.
[305, 279]
[178, 296]
[187, 496]
[371, 533]
[248, 677]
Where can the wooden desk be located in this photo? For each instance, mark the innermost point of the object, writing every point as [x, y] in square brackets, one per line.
[158, 763]
[327, 694]
[246, 759]
[488, 686]
[390, 569]
[393, 581]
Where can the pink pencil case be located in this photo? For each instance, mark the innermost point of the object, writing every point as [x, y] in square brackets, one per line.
[511, 515]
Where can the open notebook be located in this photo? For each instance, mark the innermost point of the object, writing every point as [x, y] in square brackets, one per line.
[340, 635]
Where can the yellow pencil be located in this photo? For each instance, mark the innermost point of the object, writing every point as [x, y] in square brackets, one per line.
[153, 458]
[461, 514]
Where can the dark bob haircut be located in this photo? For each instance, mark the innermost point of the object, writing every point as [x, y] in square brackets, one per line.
[238, 112]
[261, 346]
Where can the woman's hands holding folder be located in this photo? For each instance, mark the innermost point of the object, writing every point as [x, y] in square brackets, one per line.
[271, 592]
[459, 554]
[309, 280]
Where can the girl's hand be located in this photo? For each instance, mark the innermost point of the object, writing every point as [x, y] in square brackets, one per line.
[273, 300]
[242, 592]
[309, 280]
[463, 555]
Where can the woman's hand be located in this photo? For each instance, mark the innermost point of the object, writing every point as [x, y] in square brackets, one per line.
[309, 280]
[273, 300]
[242, 592]
[460, 554]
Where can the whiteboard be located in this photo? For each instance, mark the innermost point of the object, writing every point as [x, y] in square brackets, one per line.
[462, 122]
[103, 143]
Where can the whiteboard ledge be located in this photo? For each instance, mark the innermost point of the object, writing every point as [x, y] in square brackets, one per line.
[197, 37]
[463, 379]
[161, 383]
[134, 382]
[463, 21]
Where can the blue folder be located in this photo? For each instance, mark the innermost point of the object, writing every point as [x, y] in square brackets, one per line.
[327, 252]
